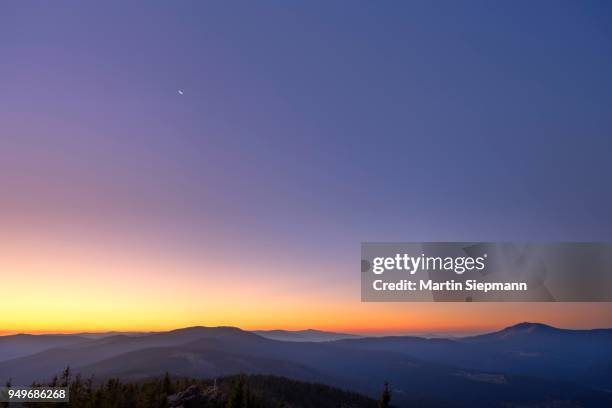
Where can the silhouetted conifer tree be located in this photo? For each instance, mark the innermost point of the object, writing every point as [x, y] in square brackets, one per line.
[65, 378]
[7, 384]
[385, 397]
[167, 385]
[236, 397]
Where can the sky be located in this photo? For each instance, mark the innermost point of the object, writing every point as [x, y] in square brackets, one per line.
[301, 131]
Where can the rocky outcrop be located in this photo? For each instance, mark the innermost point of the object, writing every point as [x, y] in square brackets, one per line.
[193, 396]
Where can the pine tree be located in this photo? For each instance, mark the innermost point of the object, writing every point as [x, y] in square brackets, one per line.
[167, 385]
[89, 389]
[385, 397]
[236, 398]
[76, 391]
[249, 401]
[65, 378]
[8, 385]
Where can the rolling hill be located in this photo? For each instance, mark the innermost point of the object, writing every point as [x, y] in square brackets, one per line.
[522, 364]
[19, 345]
[529, 349]
[303, 335]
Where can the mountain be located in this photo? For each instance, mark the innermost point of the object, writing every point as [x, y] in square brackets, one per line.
[19, 345]
[523, 364]
[46, 363]
[195, 362]
[303, 335]
[537, 331]
[94, 336]
[530, 349]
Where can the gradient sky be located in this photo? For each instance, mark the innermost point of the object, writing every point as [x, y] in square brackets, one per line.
[303, 130]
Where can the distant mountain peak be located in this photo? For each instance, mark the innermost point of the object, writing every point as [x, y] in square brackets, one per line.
[311, 335]
[529, 327]
[517, 331]
[226, 329]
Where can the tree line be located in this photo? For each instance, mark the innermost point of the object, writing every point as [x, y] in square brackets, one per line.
[238, 391]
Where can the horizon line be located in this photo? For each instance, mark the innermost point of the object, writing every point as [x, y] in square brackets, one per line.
[373, 333]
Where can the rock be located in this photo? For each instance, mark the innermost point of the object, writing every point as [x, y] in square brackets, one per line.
[189, 397]
[192, 396]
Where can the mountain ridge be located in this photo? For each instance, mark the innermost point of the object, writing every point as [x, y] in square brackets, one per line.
[524, 360]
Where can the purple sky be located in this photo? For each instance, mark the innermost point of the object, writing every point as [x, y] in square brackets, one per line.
[303, 130]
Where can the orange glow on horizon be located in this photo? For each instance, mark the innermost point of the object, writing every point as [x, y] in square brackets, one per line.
[73, 287]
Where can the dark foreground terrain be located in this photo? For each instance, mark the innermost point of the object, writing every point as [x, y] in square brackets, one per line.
[241, 391]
